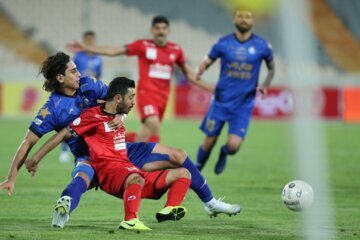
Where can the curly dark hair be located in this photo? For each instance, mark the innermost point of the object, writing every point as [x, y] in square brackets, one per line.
[51, 67]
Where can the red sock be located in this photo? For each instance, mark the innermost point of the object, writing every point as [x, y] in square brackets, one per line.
[132, 198]
[177, 192]
[154, 138]
[130, 137]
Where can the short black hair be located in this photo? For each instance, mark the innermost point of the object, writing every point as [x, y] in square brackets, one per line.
[119, 85]
[89, 33]
[51, 67]
[160, 19]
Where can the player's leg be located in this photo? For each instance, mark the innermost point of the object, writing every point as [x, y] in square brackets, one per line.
[211, 126]
[150, 129]
[70, 197]
[151, 157]
[178, 181]
[64, 153]
[238, 126]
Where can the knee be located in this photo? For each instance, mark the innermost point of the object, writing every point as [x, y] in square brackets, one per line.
[179, 156]
[183, 173]
[135, 178]
[233, 148]
[85, 171]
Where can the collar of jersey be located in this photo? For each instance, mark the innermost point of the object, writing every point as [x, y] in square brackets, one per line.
[65, 95]
[242, 42]
[102, 106]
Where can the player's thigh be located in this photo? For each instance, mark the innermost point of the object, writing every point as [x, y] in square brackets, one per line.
[152, 122]
[164, 157]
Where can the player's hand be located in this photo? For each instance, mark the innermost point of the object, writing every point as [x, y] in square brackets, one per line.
[9, 185]
[75, 47]
[263, 90]
[199, 72]
[31, 166]
[117, 122]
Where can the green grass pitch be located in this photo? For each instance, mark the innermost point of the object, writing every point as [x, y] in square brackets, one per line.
[254, 178]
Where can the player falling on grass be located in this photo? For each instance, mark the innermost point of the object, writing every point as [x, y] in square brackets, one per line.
[156, 60]
[241, 55]
[116, 174]
[70, 95]
[88, 64]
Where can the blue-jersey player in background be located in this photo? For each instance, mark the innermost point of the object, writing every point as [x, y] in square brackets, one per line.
[88, 64]
[241, 54]
[71, 94]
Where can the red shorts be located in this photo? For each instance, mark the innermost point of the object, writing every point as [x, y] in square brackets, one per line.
[150, 104]
[112, 177]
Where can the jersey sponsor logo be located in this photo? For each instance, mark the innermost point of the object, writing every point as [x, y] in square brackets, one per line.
[77, 121]
[160, 71]
[119, 146]
[151, 53]
[37, 121]
[252, 50]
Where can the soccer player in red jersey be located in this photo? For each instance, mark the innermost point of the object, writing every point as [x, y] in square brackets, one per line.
[116, 174]
[156, 60]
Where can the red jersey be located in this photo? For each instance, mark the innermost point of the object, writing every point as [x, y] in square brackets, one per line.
[104, 143]
[156, 64]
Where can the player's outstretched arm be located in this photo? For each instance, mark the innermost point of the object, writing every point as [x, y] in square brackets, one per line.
[204, 64]
[30, 139]
[194, 80]
[108, 51]
[262, 88]
[33, 162]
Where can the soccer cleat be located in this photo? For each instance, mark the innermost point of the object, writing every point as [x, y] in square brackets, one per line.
[219, 206]
[133, 224]
[171, 213]
[61, 212]
[221, 163]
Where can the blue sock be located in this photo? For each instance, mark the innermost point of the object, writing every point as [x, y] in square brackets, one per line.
[202, 156]
[198, 182]
[224, 150]
[74, 190]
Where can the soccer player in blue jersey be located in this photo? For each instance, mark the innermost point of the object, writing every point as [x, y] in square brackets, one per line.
[72, 94]
[241, 55]
[88, 64]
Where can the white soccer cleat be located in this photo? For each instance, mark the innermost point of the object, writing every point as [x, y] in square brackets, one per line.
[219, 206]
[61, 212]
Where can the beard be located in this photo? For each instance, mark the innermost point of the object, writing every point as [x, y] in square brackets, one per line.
[243, 29]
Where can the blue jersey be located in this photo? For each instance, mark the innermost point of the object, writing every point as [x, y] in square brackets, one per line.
[88, 64]
[61, 109]
[240, 67]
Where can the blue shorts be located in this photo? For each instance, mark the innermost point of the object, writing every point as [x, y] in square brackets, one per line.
[140, 153]
[216, 118]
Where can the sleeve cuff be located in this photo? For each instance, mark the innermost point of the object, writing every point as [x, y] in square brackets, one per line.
[32, 129]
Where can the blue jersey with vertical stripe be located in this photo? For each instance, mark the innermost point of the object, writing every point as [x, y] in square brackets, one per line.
[88, 64]
[60, 110]
[240, 68]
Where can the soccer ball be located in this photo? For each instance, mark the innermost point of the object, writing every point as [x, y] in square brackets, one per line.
[297, 195]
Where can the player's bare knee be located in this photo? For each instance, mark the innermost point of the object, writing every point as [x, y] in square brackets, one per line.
[184, 173]
[135, 178]
[178, 156]
[233, 148]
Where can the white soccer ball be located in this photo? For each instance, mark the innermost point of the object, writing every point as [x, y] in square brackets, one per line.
[297, 195]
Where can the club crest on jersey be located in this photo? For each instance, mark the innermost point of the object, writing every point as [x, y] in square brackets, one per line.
[37, 121]
[151, 53]
[252, 50]
[107, 127]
